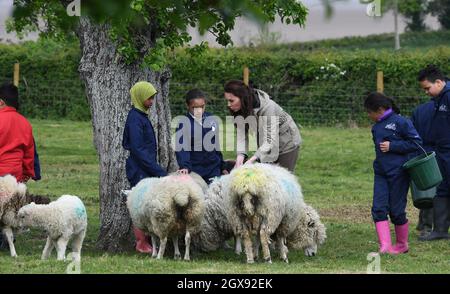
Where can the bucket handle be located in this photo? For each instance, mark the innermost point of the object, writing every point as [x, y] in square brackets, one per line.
[420, 147]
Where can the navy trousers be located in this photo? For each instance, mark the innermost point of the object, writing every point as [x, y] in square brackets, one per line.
[443, 159]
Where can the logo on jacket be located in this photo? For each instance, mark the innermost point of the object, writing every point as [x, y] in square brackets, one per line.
[391, 126]
[443, 107]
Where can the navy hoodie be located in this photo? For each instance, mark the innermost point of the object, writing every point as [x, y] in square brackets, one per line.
[139, 139]
[401, 134]
[440, 127]
[422, 118]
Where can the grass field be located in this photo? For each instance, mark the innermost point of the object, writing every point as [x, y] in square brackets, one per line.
[335, 170]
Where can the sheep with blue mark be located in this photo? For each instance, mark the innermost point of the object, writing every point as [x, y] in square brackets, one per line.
[167, 207]
[62, 220]
[265, 201]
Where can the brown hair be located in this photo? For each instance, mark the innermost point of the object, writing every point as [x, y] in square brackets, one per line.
[245, 93]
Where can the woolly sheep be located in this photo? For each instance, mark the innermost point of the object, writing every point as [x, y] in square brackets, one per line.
[12, 198]
[63, 219]
[167, 207]
[263, 200]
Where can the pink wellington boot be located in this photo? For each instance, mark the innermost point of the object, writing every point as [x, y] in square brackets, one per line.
[142, 244]
[384, 236]
[401, 245]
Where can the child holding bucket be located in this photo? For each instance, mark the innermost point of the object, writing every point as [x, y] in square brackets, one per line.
[434, 83]
[396, 140]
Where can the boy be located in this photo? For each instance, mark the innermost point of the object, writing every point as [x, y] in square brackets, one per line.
[437, 86]
[191, 152]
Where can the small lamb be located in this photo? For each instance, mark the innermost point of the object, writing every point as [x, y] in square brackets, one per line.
[62, 219]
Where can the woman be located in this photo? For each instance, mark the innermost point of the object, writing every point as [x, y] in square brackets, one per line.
[278, 135]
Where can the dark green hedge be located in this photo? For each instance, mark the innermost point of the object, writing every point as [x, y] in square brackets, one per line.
[316, 87]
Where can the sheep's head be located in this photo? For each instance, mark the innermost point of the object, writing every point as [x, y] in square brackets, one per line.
[24, 215]
[309, 234]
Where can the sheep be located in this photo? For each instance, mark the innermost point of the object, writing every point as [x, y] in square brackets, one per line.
[63, 219]
[263, 200]
[216, 229]
[167, 207]
[309, 233]
[12, 198]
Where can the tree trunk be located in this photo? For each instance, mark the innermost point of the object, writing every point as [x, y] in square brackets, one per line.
[397, 33]
[108, 81]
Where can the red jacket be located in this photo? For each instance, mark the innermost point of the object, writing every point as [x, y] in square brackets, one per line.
[16, 145]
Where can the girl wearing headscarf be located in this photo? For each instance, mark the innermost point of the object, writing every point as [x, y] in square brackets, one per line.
[139, 139]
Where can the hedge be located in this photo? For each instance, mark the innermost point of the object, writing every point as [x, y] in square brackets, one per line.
[324, 87]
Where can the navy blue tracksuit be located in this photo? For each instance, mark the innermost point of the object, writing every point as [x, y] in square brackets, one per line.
[391, 182]
[198, 148]
[440, 133]
[139, 138]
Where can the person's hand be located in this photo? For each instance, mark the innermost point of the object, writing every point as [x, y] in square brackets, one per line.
[251, 160]
[239, 160]
[225, 172]
[183, 171]
[384, 146]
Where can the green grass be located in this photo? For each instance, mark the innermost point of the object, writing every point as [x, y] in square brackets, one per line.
[335, 170]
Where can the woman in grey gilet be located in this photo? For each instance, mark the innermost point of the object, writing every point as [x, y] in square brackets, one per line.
[278, 137]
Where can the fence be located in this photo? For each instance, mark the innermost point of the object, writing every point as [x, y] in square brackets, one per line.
[326, 105]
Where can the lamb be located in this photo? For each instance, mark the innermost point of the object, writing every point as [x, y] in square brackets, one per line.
[63, 219]
[263, 200]
[167, 207]
[12, 198]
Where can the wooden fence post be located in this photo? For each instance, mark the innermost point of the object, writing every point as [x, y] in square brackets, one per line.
[380, 82]
[246, 75]
[16, 74]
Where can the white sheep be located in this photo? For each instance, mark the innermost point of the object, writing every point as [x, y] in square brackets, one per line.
[215, 229]
[167, 207]
[12, 198]
[263, 200]
[63, 219]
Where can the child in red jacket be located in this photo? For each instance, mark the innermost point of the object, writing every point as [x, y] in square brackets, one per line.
[16, 137]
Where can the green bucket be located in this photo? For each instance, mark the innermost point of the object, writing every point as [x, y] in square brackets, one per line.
[422, 199]
[424, 171]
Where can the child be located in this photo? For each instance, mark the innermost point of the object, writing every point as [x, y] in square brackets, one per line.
[191, 152]
[395, 140]
[421, 118]
[436, 85]
[139, 139]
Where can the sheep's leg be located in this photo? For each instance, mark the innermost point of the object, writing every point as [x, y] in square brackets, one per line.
[265, 245]
[49, 245]
[238, 245]
[281, 244]
[256, 247]
[154, 244]
[248, 246]
[187, 240]
[175, 245]
[10, 237]
[162, 247]
[61, 246]
[77, 243]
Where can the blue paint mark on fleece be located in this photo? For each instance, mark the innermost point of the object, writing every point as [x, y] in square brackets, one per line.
[80, 211]
[290, 188]
[140, 191]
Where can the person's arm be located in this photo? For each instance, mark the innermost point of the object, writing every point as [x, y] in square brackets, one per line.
[28, 158]
[37, 164]
[143, 154]
[183, 156]
[269, 150]
[242, 146]
[411, 139]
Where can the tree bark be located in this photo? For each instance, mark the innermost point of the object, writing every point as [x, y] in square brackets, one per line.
[108, 81]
